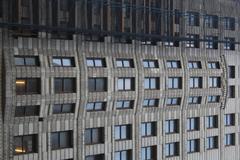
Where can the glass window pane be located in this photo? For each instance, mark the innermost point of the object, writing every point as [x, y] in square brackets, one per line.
[54, 140]
[117, 132]
[67, 108]
[126, 63]
[119, 63]
[57, 62]
[58, 85]
[68, 85]
[90, 63]
[66, 62]
[128, 84]
[120, 84]
[98, 63]
[19, 61]
[90, 106]
[146, 83]
[30, 61]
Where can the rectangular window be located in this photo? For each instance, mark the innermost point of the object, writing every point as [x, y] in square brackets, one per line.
[25, 144]
[172, 149]
[63, 139]
[211, 21]
[193, 145]
[125, 84]
[148, 129]
[194, 100]
[174, 101]
[193, 124]
[229, 43]
[63, 62]
[94, 135]
[123, 132]
[97, 84]
[123, 155]
[214, 82]
[213, 65]
[193, 41]
[95, 157]
[211, 121]
[96, 106]
[149, 153]
[150, 103]
[174, 83]
[172, 126]
[96, 62]
[63, 108]
[64, 85]
[212, 142]
[28, 86]
[231, 72]
[151, 83]
[25, 111]
[26, 61]
[229, 139]
[229, 23]
[173, 64]
[125, 63]
[229, 119]
[124, 104]
[231, 92]
[211, 42]
[194, 65]
[213, 99]
[193, 19]
[195, 82]
[150, 63]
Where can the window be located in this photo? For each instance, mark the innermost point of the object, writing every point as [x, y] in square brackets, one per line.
[63, 62]
[28, 86]
[149, 153]
[125, 63]
[213, 65]
[26, 61]
[193, 124]
[229, 139]
[123, 132]
[25, 111]
[151, 83]
[124, 104]
[194, 100]
[94, 135]
[195, 82]
[173, 64]
[172, 149]
[231, 92]
[25, 144]
[193, 41]
[150, 63]
[212, 142]
[64, 85]
[229, 43]
[211, 21]
[174, 101]
[231, 71]
[211, 121]
[125, 84]
[229, 23]
[148, 129]
[63, 108]
[193, 145]
[96, 106]
[63, 139]
[150, 102]
[172, 126]
[213, 99]
[123, 155]
[194, 65]
[174, 83]
[193, 19]
[95, 157]
[211, 42]
[97, 84]
[214, 82]
[96, 62]
[229, 119]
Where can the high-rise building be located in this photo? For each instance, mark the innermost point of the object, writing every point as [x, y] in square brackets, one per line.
[119, 80]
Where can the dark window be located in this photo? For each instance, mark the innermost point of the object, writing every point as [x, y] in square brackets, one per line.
[214, 82]
[212, 142]
[150, 63]
[28, 86]
[150, 102]
[95, 157]
[229, 119]
[97, 84]
[231, 71]
[195, 82]
[193, 19]
[125, 63]
[211, 21]
[231, 92]
[193, 124]
[63, 139]
[148, 129]
[123, 132]
[125, 84]
[63, 108]
[64, 85]
[229, 43]
[211, 121]
[193, 41]
[25, 144]
[151, 83]
[96, 62]
[229, 23]
[171, 126]
[211, 42]
[213, 65]
[173, 64]
[123, 155]
[63, 62]
[194, 100]
[26, 61]
[172, 149]
[94, 135]
[213, 99]
[124, 104]
[193, 145]
[149, 153]
[174, 83]
[96, 106]
[174, 101]
[25, 111]
[194, 65]
[229, 139]
[177, 16]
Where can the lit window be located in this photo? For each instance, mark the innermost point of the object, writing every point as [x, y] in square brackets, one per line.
[193, 41]
[28, 86]
[25, 144]
[211, 42]
[229, 43]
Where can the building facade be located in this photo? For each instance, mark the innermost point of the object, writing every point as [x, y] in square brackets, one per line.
[119, 80]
